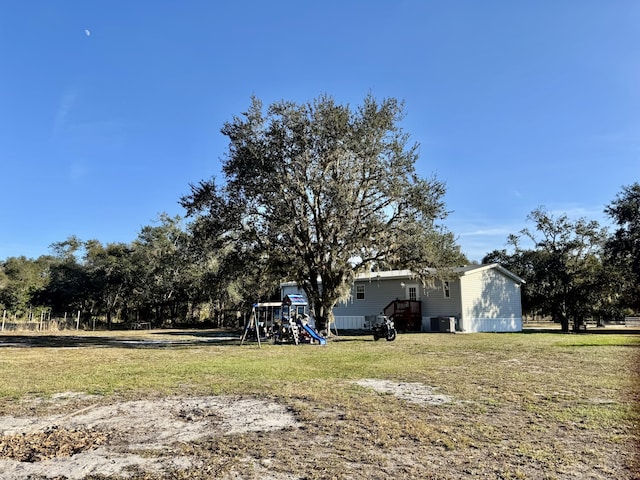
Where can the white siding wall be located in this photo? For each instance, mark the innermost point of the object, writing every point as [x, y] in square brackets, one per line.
[435, 304]
[492, 325]
[349, 323]
[377, 295]
[490, 303]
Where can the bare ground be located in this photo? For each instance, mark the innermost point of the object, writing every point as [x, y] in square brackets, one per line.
[392, 430]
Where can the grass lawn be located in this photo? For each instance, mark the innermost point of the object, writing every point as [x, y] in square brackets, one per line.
[527, 405]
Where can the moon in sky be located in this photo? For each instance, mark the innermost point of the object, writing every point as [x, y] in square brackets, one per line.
[87, 33]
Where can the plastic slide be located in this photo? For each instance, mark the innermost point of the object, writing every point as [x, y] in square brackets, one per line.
[314, 334]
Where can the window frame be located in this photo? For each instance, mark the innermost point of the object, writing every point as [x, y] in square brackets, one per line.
[412, 289]
[446, 288]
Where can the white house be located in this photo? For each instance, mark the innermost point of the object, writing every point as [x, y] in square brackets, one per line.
[477, 298]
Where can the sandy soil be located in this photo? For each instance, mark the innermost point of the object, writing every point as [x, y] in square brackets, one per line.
[126, 433]
[411, 392]
[128, 436]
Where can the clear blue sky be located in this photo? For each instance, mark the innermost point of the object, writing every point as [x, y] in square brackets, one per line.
[109, 109]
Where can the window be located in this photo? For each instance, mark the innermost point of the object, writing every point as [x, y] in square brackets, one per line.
[359, 292]
[447, 289]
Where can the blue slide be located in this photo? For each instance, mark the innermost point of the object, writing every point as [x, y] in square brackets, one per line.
[314, 334]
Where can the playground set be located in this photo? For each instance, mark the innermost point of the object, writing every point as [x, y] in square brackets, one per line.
[282, 323]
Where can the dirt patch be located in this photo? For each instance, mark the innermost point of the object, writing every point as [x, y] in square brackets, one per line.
[411, 392]
[106, 440]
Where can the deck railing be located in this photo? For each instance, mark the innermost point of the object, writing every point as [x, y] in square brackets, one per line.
[407, 314]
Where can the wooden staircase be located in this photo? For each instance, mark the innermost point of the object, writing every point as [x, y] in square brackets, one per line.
[407, 315]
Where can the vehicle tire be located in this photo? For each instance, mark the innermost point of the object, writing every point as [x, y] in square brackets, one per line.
[391, 335]
[376, 337]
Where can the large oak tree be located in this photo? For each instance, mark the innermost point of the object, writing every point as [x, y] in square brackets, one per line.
[320, 192]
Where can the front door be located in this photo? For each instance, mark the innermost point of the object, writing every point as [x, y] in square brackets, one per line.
[412, 292]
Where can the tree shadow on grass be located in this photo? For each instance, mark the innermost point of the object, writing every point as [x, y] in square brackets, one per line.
[120, 341]
[611, 330]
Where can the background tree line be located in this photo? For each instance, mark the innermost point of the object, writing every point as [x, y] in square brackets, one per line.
[576, 269]
[163, 276]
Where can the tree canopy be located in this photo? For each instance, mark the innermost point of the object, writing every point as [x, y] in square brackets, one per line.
[318, 192]
[623, 247]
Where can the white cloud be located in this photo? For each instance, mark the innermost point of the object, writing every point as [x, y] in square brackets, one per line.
[487, 232]
[67, 102]
[478, 237]
[577, 211]
[481, 236]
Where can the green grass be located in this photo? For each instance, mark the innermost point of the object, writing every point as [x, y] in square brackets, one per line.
[543, 402]
[547, 365]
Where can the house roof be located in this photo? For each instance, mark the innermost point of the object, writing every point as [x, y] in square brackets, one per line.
[462, 271]
[469, 269]
[402, 274]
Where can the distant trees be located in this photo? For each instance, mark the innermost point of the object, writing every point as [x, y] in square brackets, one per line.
[21, 279]
[70, 286]
[563, 270]
[318, 192]
[159, 277]
[110, 273]
[623, 247]
[575, 269]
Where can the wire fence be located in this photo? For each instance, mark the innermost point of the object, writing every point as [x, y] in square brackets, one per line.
[44, 326]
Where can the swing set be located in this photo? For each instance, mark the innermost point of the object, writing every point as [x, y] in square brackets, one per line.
[282, 322]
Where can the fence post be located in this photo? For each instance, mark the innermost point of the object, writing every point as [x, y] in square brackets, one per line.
[78, 321]
[4, 315]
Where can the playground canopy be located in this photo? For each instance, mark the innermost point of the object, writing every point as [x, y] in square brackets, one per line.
[294, 300]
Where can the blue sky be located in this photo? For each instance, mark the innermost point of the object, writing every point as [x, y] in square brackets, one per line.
[109, 109]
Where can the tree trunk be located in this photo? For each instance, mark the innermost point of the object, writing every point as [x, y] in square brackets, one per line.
[320, 317]
[326, 318]
[330, 320]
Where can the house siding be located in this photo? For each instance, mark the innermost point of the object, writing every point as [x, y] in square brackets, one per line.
[435, 303]
[377, 295]
[491, 303]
